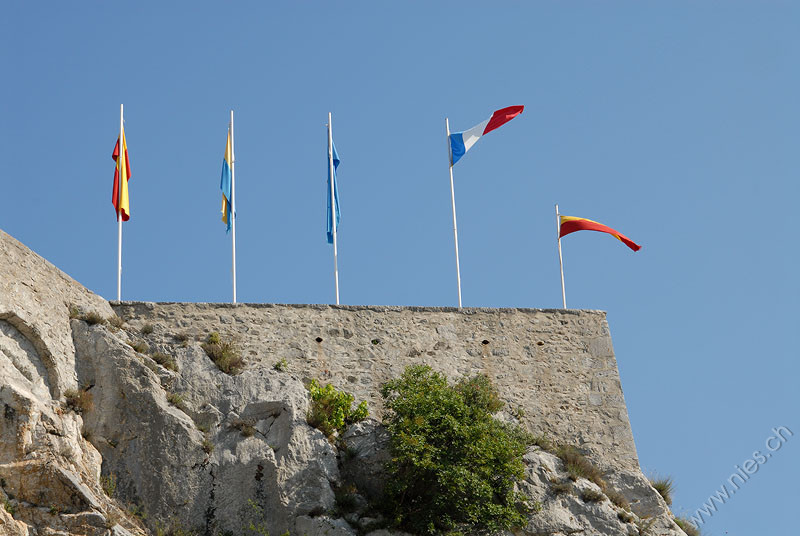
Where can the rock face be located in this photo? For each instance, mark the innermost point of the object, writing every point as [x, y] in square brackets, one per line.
[97, 437]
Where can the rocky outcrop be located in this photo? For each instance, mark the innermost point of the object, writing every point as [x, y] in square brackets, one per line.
[97, 437]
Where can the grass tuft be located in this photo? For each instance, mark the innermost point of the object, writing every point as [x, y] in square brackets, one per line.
[625, 517]
[93, 318]
[281, 366]
[561, 487]
[109, 483]
[592, 495]
[245, 428]
[139, 346]
[664, 486]
[147, 329]
[579, 466]
[687, 526]
[176, 400]
[224, 354]
[115, 322]
[78, 400]
[165, 360]
[618, 499]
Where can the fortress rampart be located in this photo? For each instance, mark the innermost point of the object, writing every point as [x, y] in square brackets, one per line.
[554, 368]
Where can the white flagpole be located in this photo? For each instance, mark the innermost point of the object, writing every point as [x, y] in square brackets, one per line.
[233, 211]
[120, 157]
[560, 260]
[453, 198]
[333, 207]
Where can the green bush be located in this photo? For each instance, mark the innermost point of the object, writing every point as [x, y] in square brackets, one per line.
[331, 410]
[281, 366]
[453, 466]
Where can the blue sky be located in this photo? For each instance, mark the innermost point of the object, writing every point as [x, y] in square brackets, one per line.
[674, 122]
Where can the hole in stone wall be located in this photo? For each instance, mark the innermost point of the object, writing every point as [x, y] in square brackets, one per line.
[540, 343]
[485, 342]
[376, 341]
[319, 339]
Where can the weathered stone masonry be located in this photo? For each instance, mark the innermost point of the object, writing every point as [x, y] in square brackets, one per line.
[556, 366]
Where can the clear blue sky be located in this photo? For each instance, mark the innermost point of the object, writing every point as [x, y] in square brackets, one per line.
[677, 123]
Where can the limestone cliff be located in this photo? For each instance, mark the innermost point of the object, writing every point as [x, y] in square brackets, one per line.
[97, 437]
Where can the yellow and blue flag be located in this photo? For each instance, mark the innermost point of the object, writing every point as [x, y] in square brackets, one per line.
[225, 185]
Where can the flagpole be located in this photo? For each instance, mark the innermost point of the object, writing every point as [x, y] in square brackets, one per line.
[333, 206]
[453, 199]
[233, 211]
[560, 259]
[120, 158]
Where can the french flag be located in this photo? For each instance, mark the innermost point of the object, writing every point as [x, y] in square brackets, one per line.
[461, 142]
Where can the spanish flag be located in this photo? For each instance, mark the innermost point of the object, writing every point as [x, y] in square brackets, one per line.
[225, 184]
[122, 174]
[570, 224]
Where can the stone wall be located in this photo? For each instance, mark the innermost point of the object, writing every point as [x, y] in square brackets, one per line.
[554, 368]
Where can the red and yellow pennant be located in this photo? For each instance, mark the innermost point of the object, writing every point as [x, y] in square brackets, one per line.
[122, 174]
[570, 224]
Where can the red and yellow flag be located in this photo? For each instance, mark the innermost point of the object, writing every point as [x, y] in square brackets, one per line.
[570, 224]
[122, 174]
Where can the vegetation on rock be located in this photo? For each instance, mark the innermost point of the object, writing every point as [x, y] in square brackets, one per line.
[224, 354]
[78, 400]
[664, 486]
[332, 410]
[453, 466]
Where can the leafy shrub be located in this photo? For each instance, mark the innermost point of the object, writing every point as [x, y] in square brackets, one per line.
[453, 466]
[165, 360]
[331, 410]
[281, 366]
[10, 507]
[147, 329]
[224, 354]
[78, 400]
[687, 527]
[592, 495]
[579, 466]
[664, 486]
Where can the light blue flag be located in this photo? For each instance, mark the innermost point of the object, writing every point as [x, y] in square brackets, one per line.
[335, 193]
